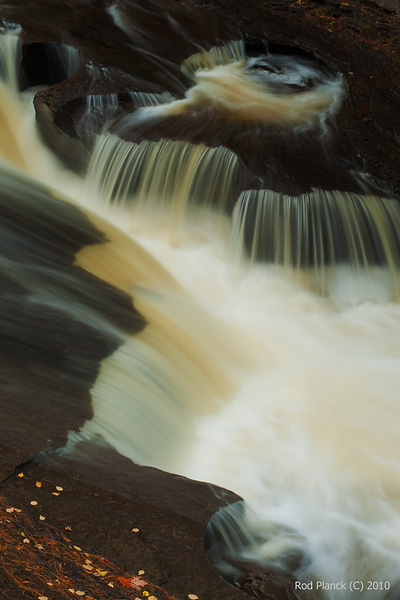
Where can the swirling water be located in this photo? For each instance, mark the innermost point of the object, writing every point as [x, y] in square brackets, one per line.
[269, 361]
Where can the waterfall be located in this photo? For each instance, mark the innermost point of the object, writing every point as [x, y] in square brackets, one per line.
[236, 352]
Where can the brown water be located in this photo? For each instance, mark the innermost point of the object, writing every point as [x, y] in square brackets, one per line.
[269, 363]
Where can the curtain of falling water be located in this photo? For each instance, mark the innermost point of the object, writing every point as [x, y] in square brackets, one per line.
[242, 376]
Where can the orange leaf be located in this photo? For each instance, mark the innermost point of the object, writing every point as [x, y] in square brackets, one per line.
[125, 581]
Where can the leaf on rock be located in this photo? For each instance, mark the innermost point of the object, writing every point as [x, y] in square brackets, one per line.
[125, 581]
[137, 582]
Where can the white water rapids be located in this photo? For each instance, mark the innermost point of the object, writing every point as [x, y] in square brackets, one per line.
[246, 376]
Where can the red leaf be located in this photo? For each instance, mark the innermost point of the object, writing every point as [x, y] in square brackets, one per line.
[134, 582]
[125, 581]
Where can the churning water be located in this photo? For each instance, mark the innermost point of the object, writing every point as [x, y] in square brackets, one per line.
[269, 363]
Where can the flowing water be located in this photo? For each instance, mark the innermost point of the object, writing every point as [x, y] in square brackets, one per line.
[268, 362]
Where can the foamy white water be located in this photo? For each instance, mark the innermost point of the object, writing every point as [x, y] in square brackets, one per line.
[310, 437]
[246, 378]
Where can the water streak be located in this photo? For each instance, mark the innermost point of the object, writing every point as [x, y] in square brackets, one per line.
[237, 374]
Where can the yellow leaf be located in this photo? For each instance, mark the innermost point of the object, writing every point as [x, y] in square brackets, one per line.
[71, 590]
[146, 593]
[20, 474]
[68, 528]
[141, 572]
[26, 541]
[10, 510]
[135, 530]
[77, 548]
[59, 488]
[38, 484]
[42, 518]
[79, 593]
[110, 584]
[193, 597]
[101, 573]
[56, 493]
[43, 598]
[33, 503]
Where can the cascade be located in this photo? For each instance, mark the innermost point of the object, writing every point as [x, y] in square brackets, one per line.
[237, 354]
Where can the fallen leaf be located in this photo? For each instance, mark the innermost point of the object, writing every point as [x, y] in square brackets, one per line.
[42, 518]
[135, 530]
[193, 597]
[38, 484]
[20, 474]
[152, 598]
[102, 573]
[27, 541]
[77, 548]
[50, 584]
[33, 503]
[59, 488]
[146, 593]
[125, 581]
[71, 590]
[68, 528]
[43, 598]
[39, 546]
[138, 582]
[88, 567]
[79, 593]
[10, 510]
[110, 584]
[55, 493]
[141, 572]
[22, 533]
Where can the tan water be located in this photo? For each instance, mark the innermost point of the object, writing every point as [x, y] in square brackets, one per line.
[254, 376]
[224, 83]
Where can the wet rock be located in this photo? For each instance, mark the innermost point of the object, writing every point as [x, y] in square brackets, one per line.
[391, 5]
